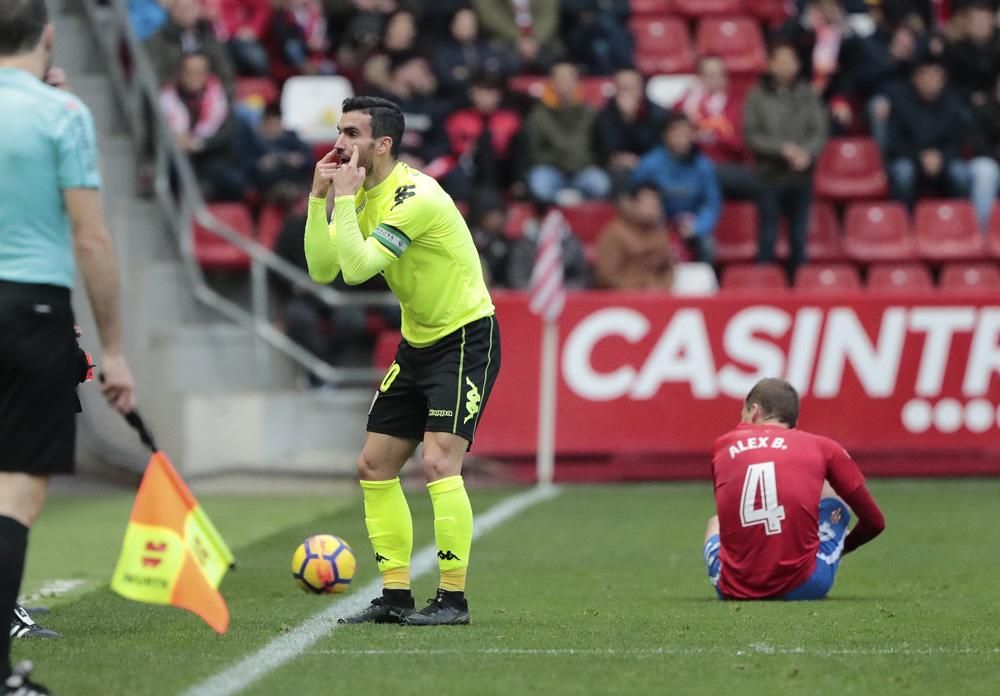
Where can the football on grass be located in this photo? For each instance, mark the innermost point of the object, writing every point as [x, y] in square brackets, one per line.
[323, 564]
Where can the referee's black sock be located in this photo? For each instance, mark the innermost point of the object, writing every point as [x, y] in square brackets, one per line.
[13, 547]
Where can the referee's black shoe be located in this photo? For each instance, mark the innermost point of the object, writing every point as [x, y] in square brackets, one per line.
[23, 626]
[391, 608]
[18, 684]
[446, 609]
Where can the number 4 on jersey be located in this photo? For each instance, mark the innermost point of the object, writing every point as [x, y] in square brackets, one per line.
[760, 484]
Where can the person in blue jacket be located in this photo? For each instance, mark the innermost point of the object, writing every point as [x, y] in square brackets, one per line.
[687, 183]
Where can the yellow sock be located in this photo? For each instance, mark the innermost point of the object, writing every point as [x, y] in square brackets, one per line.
[452, 530]
[390, 529]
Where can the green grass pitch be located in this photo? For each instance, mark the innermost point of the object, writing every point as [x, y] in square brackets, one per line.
[601, 590]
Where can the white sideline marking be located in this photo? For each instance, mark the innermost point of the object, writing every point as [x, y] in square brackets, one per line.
[52, 588]
[281, 650]
[656, 652]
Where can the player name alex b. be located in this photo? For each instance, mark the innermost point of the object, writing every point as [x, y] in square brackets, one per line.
[753, 443]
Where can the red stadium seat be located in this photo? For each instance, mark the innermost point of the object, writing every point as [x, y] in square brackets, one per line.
[650, 7]
[877, 232]
[705, 8]
[386, 343]
[947, 231]
[975, 277]
[517, 215]
[256, 91]
[662, 45]
[993, 240]
[215, 253]
[736, 233]
[899, 277]
[272, 219]
[320, 150]
[772, 12]
[744, 277]
[850, 168]
[588, 219]
[737, 40]
[831, 277]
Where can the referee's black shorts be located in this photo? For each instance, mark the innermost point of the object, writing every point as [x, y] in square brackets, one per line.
[441, 388]
[39, 372]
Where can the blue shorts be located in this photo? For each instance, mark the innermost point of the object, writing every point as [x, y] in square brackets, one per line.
[833, 520]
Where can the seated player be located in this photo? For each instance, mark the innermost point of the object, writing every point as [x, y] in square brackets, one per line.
[780, 528]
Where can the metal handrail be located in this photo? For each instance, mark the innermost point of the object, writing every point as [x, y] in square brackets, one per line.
[139, 99]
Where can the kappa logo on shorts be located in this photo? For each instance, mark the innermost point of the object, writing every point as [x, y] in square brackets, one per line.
[440, 412]
[473, 397]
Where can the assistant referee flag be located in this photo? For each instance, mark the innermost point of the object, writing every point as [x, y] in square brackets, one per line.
[172, 553]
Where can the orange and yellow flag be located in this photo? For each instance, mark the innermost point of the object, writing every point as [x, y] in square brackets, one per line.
[172, 553]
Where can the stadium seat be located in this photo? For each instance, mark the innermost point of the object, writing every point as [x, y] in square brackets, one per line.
[823, 242]
[272, 219]
[877, 232]
[736, 233]
[695, 9]
[974, 277]
[737, 40]
[257, 92]
[771, 12]
[830, 277]
[589, 218]
[899, 277]
[386, 343]
[215, 253]
[744, 277]
[666, 90]
[850, 168]
[650, 7]
[947, 231]
[319, 150]
[993, 232]
[662, 45]
[310, 105]
[694, 279]
[517, 215]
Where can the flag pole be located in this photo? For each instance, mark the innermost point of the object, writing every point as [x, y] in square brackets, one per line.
[545, 463]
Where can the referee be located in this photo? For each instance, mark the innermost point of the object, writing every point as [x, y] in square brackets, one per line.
[50, 220]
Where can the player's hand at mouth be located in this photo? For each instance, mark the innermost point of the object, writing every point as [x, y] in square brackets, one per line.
[348, 177]
[323, 174]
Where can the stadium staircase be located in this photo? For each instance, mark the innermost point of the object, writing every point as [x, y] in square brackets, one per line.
[220, 401]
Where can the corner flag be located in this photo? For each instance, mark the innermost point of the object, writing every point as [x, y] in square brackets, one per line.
[172, 553]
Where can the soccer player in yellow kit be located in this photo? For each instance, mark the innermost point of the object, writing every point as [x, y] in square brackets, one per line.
[391, 219]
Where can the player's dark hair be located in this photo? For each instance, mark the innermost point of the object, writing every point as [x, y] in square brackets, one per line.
[777, 399]
[21, 25]
[387, 119]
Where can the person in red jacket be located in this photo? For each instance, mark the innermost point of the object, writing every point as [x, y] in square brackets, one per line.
[781, 528]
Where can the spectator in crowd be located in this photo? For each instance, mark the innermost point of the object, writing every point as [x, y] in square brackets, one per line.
[688, 188]
[973, 61]
[145, 16]
[634, 251]
[817, 33]
[464, 54]
[488, 216]
[576, 275]
[326, 332]
[597, 34]
[927, 125]
[627, 127]
[559, 137]
[482, 141]
[197, 111]
[412, 86]
[296, 40]
[528, 28]
[279, 160]
[985, 148]
[717, 116]
[874, 67]
[187, 31]
[785, 127]
[241, 24]
[398, 41]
